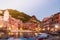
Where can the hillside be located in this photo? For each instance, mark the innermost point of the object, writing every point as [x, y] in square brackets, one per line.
[18, 15]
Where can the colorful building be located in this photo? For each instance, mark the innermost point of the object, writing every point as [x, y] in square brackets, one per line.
[52, 21]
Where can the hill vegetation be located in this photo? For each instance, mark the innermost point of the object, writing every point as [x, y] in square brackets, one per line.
[18, 15]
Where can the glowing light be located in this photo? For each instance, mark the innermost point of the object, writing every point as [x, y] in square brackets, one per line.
[56, 26]
[9, 28]
[0, 12]
[21, 34]
[36, 34]
[9, 33]
[0, 26]
[21, 28]
[12, 33]
[36, 29]
[16, 33]
[52, 29]
[48, 28]
[55, 29]
[39, 29]
[43, 29]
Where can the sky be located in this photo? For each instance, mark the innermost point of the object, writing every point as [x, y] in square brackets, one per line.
[39, 8]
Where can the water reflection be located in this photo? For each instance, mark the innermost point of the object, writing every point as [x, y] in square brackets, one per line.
[14, 38]
[19, 36]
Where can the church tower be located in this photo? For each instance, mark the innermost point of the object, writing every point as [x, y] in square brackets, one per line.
[6, 15]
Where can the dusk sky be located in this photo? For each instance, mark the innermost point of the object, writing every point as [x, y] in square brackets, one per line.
[39, 8]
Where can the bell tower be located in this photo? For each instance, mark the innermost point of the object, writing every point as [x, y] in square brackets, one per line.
[6, 15]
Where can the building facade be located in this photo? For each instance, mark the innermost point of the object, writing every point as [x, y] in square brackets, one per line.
[52, 21]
